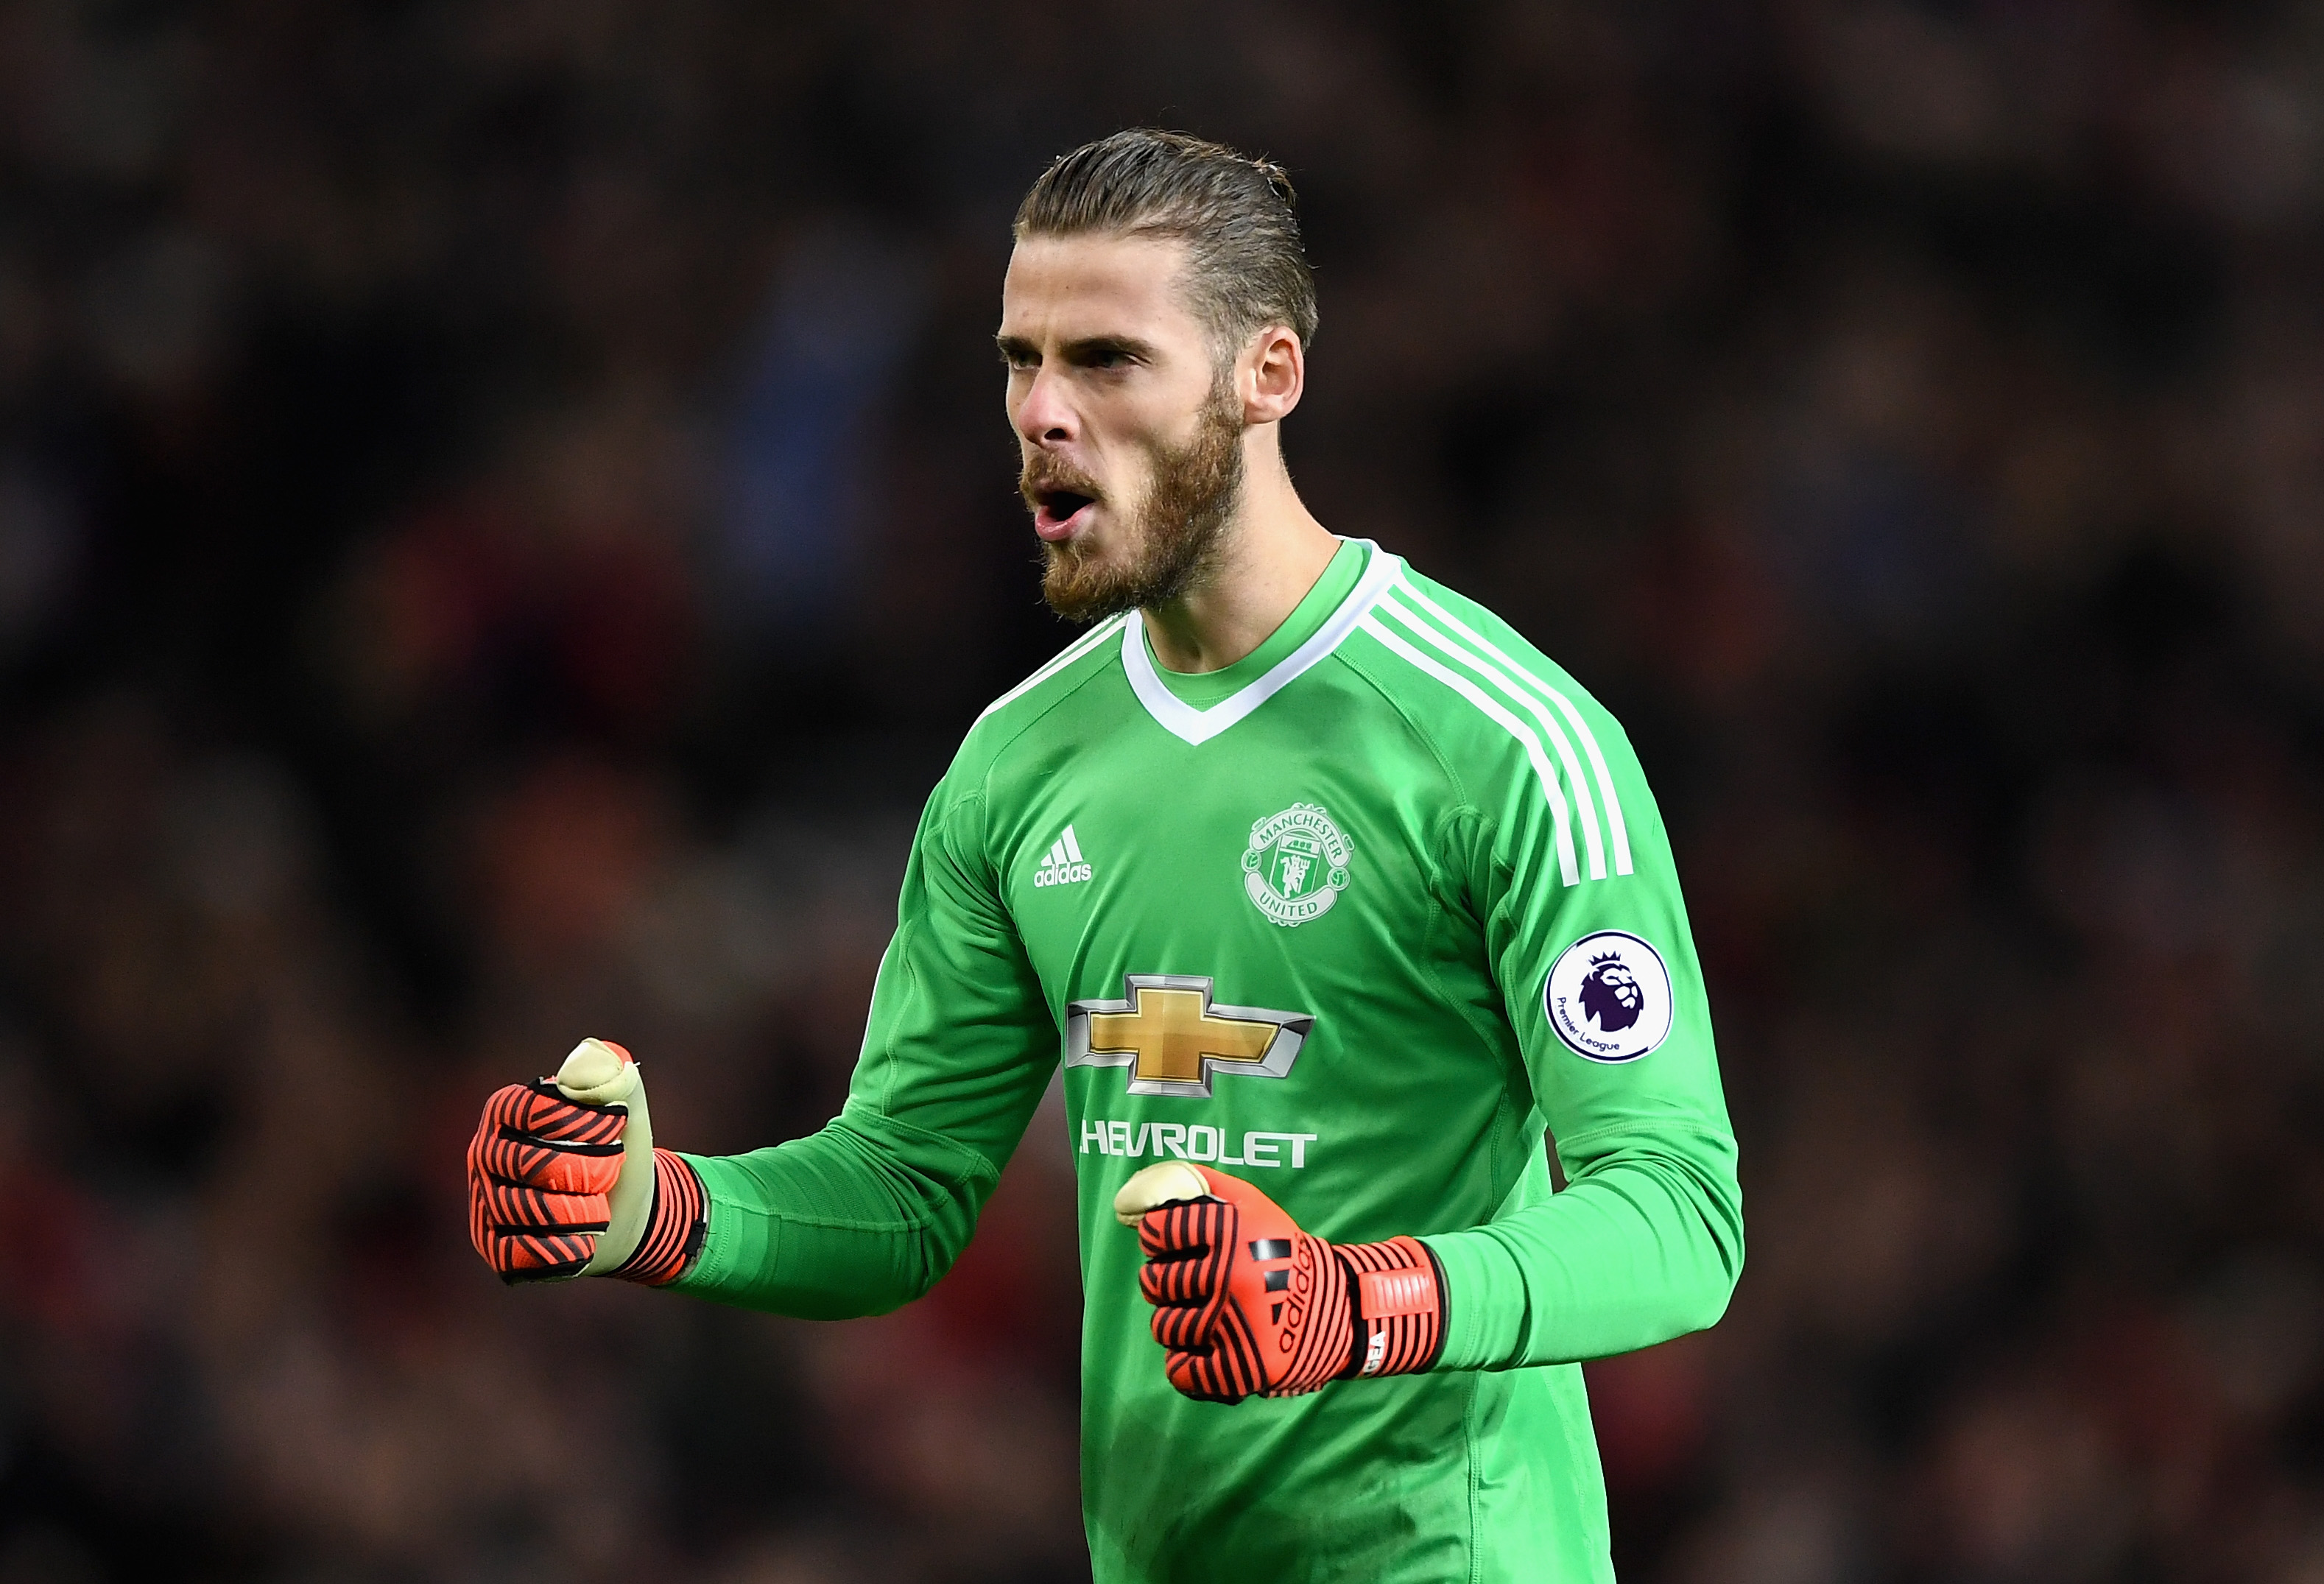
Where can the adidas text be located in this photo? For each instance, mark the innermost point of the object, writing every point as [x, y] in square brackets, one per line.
[1064, 866]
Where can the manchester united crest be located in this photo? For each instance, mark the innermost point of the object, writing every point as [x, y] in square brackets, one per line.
[1296, 865]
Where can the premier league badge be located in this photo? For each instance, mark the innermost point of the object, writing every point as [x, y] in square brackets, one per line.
[1608, 997]
[1296, 865]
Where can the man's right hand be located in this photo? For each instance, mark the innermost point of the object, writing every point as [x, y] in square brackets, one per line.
[564, 1178]
[541, 1171]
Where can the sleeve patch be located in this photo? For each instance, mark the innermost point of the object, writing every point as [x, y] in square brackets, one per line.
[1608, 997]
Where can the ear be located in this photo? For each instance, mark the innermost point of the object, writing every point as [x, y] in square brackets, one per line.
[1270, 374]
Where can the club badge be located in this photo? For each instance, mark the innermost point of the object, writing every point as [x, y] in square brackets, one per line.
[1296, 865]
[1608, 997]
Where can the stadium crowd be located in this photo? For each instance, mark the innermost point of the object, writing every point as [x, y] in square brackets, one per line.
[504, 512]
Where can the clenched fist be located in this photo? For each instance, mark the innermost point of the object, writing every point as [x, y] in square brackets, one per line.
[1247, 1304]
[563, 1180]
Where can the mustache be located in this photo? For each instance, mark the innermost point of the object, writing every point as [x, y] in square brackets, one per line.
[1045, 474]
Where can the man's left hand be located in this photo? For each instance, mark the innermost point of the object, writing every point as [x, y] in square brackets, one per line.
[1245, 1303]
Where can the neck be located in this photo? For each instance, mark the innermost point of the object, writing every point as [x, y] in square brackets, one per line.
[1270, 555]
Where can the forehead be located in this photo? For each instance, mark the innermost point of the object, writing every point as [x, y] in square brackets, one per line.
[1069, 287]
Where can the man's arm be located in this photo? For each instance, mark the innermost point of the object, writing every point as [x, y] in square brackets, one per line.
[1603, 988]
[866, 1214]
[1646, 1242]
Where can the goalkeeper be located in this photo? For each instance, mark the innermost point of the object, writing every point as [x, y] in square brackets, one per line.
[1330, 893]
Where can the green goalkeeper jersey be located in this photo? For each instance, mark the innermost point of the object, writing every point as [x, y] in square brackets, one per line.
[1358, 918]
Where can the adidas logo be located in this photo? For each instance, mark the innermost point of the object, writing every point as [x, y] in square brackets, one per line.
[1064, 865]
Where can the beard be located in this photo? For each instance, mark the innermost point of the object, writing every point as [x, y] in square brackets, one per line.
[1169, 543]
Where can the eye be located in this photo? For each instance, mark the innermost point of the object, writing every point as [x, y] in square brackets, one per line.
[1107, 357]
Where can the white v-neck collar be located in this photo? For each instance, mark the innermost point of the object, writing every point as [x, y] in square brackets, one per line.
[1198, 726]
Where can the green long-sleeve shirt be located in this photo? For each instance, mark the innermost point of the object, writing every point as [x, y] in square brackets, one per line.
[1356, 918]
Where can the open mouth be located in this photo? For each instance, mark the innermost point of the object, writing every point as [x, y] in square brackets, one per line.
[1058, 514]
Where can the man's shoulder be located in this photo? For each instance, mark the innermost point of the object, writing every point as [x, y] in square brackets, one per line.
[1447, 655]
[1021, 711]
[1511, 721]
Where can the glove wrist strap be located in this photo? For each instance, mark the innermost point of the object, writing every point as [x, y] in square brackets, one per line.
[674, 1226]
[1396, 1290]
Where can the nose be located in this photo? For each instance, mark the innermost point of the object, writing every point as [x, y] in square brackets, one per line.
[1045, 416]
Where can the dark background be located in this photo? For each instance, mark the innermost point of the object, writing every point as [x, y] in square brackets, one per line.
[506, 510]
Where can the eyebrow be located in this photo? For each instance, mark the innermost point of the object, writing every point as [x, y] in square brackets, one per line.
[1075, 351]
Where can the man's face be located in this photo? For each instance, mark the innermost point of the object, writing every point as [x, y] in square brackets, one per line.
[1131, 439]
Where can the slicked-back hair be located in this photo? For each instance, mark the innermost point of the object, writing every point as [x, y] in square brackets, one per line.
[1238, 216]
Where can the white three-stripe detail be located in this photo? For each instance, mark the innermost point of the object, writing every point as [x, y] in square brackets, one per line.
[1073, 848]
[1584, 806]
[1616, 828]
[1508, 723]
[1057, 853]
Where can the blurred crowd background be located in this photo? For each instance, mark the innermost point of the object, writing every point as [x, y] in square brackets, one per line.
[505, 511]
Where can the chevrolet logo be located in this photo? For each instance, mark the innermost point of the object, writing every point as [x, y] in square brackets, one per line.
[1173, 1038]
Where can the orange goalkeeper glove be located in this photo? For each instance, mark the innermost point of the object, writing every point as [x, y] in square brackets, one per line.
[564, 1178]
[1247, 1303]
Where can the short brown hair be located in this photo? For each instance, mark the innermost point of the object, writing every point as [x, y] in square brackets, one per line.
[1238, 216]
